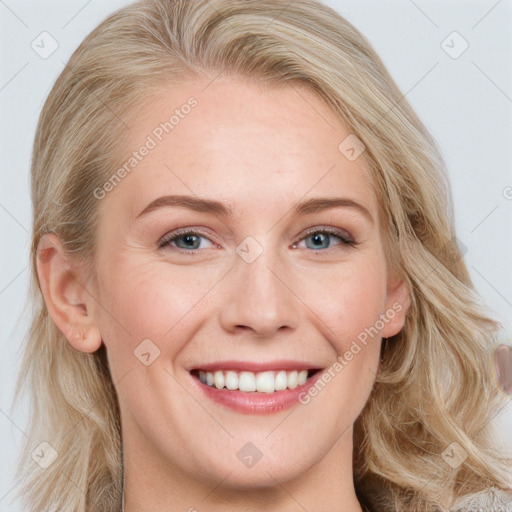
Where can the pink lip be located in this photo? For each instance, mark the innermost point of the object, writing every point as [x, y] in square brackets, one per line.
[251, 366]
[256, 402]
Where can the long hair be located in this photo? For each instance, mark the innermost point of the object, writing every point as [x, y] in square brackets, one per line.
[434, 391]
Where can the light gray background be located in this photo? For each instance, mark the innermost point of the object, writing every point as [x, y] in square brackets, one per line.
[465, 102]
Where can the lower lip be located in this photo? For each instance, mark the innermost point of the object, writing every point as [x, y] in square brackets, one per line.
[256, 402]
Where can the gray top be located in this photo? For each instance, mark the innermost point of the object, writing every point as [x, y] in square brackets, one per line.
[490, 500]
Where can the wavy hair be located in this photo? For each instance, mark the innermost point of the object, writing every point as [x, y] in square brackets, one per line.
[435, 385]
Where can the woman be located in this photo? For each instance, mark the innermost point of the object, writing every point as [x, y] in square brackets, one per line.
[247, 292]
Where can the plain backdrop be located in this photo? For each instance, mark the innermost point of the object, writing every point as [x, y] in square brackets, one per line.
[460, 85]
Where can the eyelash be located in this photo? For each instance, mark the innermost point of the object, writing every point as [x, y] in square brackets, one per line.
[346, 239]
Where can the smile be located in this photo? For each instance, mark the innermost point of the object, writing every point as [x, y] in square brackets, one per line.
[247, 382]
[255, 388]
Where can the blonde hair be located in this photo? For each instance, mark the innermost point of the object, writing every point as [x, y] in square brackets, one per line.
[435, 384]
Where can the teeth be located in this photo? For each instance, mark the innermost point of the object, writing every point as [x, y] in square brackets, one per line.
[218, 380]
[247, 381]
[263, 382]
[231, 380]
[292, 379]
[281, 381]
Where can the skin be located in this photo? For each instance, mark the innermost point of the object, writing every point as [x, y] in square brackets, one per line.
[260, 151]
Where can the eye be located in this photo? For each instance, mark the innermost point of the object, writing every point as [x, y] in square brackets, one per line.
[189, 240]
[321, 238]
[185, 239]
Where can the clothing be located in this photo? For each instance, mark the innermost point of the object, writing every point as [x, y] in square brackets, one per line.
[488, 500]
[491, 500]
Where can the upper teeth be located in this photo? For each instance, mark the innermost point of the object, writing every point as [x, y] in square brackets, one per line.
[265, 382]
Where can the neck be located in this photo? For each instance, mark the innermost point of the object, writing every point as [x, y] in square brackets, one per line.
[153, 484]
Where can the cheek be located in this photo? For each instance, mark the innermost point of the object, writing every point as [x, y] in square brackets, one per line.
[348, 311]
[143, 300]
[349, 301]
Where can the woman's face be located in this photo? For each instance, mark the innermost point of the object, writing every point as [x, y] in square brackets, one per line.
[262, 284]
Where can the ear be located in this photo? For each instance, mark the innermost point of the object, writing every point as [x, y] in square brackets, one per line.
[63, 286]
[398, 301]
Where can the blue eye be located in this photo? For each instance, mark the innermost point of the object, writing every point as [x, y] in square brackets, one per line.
[189, 240]
[321, 238]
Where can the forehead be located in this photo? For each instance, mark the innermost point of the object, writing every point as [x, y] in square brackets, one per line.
[241, 143]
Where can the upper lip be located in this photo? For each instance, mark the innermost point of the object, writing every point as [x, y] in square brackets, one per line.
[252, 366]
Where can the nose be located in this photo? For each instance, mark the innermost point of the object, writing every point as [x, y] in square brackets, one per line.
[259, 297]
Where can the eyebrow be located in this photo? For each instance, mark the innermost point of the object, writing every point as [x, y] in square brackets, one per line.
[309, 206]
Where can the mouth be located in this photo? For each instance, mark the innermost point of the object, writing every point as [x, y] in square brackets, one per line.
[255, 388]
[269, 381]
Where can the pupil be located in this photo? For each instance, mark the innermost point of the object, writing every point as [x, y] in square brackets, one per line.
[318, 239]
[189, 239]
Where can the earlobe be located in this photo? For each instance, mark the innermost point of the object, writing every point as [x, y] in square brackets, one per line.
[398, 301]
[68, 302]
